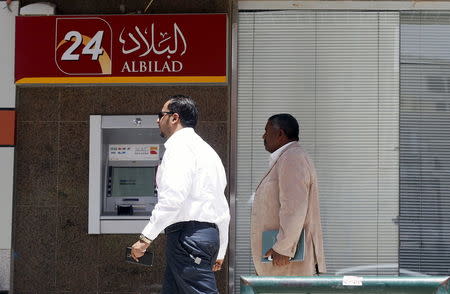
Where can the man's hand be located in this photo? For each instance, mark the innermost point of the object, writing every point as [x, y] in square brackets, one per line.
[138, 249]
[218, 265]
[277, 258]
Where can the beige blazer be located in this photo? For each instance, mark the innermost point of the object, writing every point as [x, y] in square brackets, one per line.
[287, 199]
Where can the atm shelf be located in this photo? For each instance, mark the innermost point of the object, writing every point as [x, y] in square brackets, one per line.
[130, 217]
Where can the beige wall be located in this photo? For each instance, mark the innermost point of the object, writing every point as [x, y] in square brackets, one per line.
[7, 100]
[7, 27]
[6, 192]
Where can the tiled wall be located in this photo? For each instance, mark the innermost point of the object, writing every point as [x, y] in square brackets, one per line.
[53, 252]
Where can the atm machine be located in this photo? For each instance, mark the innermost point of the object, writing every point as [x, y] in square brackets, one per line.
[124, 155]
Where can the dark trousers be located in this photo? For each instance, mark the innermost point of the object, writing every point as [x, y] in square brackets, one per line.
[191, 251]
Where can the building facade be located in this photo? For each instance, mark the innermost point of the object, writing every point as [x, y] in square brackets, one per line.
[368, 82]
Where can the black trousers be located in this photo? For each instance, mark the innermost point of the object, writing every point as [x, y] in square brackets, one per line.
[191, 251]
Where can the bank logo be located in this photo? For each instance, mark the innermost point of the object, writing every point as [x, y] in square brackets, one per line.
[83, 46]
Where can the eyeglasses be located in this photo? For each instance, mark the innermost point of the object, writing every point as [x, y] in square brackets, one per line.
[163, 113]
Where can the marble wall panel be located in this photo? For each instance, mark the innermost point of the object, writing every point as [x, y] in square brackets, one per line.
[77, 103]
[34, 254]
[77, 253]
[73, 168]
[36, 164]
[51, 190]
[38, 104]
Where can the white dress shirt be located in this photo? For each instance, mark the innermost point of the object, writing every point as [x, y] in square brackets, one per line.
[191, 181]
[274, 155]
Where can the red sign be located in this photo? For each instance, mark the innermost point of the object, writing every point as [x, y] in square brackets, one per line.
[184, 48]
[7, 127]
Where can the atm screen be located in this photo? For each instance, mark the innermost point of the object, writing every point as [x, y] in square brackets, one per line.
[132, 181]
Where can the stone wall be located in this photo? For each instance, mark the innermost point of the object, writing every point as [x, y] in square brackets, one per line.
[52, 251]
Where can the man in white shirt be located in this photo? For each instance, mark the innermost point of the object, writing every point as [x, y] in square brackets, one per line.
[191, 208]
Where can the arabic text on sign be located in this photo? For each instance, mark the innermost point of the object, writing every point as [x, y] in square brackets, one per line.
[149, 42]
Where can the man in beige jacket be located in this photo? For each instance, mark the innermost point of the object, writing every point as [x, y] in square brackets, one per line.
[287, 200]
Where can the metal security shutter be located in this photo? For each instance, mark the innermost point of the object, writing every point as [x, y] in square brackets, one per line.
[337, 73]
[244, 173]
[425, 143]
[357, 138]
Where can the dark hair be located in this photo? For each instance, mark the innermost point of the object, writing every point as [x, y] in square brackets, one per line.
[287, 123]
[186, 109]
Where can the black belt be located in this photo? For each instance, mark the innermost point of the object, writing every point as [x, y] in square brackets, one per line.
[189, 224]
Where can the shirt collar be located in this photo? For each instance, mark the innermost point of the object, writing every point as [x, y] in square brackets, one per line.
[178, 136]
[274, 155]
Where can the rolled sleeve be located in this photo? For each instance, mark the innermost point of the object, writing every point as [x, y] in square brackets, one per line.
[223, 225]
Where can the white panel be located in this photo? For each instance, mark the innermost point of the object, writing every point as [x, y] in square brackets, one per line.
[43, 8]
[337, 73]
[6, 195]
[5, 269]
[95, 173]
[7, 35]
[7, 100]
[122, 226]
[129, 121]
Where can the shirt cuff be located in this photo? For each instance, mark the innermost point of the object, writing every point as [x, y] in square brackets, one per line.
[147, 232]
[221, 254]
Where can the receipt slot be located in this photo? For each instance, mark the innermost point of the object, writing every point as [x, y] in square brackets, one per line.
[124, 155]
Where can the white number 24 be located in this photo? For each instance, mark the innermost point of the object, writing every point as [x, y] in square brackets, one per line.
[93, 47]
